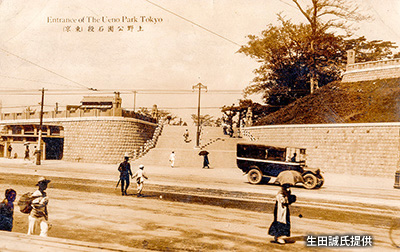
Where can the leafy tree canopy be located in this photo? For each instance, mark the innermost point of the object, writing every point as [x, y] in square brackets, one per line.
[287, 59]
[370, 50]
[205, 120]
[258, 110]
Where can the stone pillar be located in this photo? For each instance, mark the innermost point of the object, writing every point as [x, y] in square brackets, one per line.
[116, 107]
[351, 57]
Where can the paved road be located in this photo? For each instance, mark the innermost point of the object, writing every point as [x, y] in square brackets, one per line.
[358, 205]
[150, 223]
[339, 189]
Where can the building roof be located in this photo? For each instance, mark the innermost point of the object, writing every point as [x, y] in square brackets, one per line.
[99, 99]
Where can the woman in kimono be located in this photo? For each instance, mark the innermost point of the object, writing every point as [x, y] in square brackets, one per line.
[281, 225]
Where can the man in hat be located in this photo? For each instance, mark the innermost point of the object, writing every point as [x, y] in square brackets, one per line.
[140, 176]
[39, 215]
[124, 170]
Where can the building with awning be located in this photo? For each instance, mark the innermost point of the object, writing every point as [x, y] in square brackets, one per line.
[19, 135]
[98, 127]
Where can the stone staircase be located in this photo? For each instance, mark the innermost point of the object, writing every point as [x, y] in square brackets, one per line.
[221, 147]
[149, 144]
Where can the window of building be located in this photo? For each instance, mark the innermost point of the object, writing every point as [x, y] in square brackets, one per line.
[16, 130]
[55, 130]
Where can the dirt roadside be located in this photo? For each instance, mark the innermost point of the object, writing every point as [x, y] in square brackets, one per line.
[153, 224]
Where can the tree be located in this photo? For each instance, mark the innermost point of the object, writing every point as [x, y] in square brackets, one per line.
[229, 113]
[287, 61]
[144, 111]
[323, 15]
[258, 111]
[370, 50]
[205, 120]
[167, 115]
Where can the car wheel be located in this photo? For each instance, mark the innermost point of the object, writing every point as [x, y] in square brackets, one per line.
[254, 176]
[320, 183]
[310, 181]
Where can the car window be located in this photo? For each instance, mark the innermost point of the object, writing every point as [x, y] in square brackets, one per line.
[260, 152]
[251, 151]
[274, 154]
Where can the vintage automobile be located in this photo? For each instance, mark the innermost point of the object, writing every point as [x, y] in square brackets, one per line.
[258, 160]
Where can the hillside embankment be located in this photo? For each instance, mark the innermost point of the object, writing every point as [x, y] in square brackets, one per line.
[337, 102]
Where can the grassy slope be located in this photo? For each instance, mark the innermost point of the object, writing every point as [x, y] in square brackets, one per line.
[354, 102]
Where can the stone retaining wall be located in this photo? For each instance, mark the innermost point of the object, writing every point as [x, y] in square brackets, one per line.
[105, 140]
[370, 149]
[98, 139]
[371, 74]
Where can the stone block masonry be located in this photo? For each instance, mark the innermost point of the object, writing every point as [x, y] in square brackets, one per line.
[97, 139]
[369, 149]
[372, 70]
[371, 74]
[104, 140]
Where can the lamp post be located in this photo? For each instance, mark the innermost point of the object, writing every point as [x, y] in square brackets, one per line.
[199, 86]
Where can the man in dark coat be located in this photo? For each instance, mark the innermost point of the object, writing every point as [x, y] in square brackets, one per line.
[206, 162]
[125, 172]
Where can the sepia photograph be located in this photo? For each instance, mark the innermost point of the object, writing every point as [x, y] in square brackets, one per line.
[200, 125]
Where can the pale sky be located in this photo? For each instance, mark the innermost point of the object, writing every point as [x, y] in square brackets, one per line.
[172, 54]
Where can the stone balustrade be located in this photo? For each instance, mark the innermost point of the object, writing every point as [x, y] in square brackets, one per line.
[75, 113]
[373, 64]
[372, 70]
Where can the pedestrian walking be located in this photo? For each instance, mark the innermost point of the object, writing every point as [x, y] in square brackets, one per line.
[140, 176]
[186, 136]
[7, 210]
[225, 128]
[230, 131]
[35, 154]
[124, 173]
[27, 153]
[9, 151]
[172, 159]
[39, 215]
[206, 162]
[280, 227]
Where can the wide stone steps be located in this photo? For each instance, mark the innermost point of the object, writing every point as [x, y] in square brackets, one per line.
[221, 147]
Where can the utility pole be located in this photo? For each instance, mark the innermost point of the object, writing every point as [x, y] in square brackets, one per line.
[198, 86]
[134, 100]
[39, 151]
